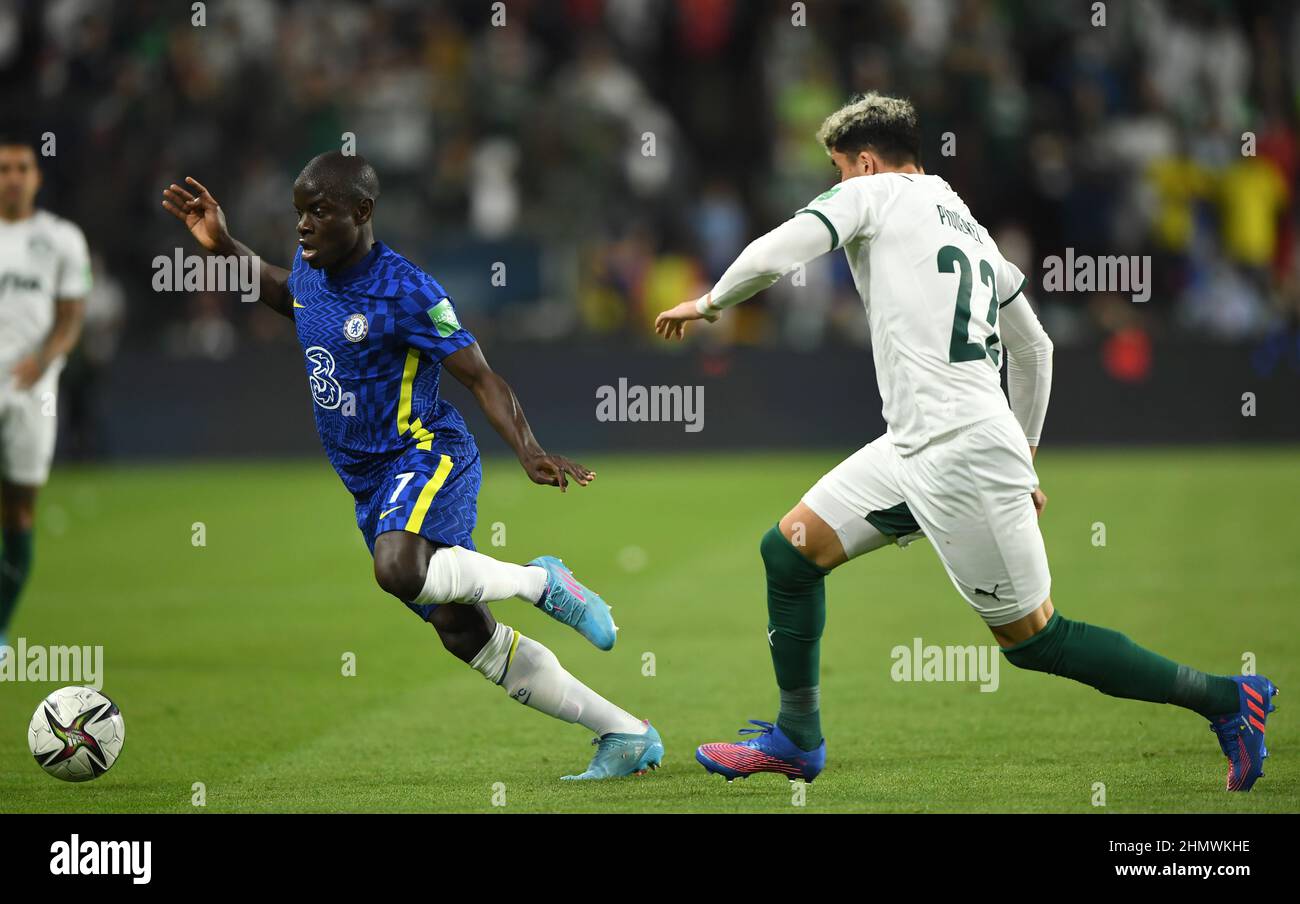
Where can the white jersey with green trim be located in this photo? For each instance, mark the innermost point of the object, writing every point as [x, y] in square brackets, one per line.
[932, 280]
[42, 259]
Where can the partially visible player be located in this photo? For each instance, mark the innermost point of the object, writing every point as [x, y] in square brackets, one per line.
[956, 461]
[44, 280]
[376, 332]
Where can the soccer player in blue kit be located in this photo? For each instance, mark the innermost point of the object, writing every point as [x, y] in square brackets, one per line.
[376, 331]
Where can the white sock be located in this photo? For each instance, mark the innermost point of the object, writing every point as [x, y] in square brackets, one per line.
[459, 575]
[532, 675]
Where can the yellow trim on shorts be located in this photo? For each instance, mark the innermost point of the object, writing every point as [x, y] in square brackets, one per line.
[423, 435]
[425, 499]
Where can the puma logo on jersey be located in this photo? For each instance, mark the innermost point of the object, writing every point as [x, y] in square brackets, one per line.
[993, 593]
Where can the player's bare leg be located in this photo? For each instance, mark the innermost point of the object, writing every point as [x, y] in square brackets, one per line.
[17, 521]
[1237, 706]
[464, 630]
[813, 537]
[1022, 629]
[405, 566]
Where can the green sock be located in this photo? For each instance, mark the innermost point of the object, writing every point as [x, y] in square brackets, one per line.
[796, 611]
[15, 564]
[1115, 665]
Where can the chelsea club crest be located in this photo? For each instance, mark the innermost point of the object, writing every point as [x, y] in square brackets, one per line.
[356, 327]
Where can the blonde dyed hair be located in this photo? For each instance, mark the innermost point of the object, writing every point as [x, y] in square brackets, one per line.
[887, 125]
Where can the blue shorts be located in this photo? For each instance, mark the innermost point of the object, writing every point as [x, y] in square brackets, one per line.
[430, 493]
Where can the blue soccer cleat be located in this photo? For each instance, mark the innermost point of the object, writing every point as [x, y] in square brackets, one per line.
[566, 600]
[768, 751]
[1241, 734]
[619, 754]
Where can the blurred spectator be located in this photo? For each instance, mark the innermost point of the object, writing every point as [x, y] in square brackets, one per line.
[625, 150]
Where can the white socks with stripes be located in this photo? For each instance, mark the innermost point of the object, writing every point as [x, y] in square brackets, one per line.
[528, 671]
[459, 575]
[531, 674]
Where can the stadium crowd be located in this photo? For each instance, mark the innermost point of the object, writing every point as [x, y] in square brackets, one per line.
[616, 154]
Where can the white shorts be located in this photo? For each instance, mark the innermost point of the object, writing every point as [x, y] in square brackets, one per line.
[968, 491]
[28, 429]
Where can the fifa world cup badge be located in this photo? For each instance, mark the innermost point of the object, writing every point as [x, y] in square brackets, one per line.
[356, 327]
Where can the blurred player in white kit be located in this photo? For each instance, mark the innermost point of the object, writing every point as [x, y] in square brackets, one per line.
[44, 279]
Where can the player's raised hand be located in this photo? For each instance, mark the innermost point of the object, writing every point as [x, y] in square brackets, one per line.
[200, 213]
[555, 471]
[671, 324]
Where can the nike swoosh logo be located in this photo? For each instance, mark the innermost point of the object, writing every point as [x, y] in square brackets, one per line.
[383, 515]
[298, 304]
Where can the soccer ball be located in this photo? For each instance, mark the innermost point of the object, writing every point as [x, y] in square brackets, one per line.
[76, 734]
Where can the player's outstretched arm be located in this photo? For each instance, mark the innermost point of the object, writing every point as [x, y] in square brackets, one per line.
[764, 261]
[203, 217]
[506, 415]
[1029, 372]
[1029, 365]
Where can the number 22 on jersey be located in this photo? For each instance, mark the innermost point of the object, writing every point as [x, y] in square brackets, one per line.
[961, 348]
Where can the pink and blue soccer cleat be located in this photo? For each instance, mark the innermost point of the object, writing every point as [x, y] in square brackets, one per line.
[619, 754]
[1241, 734]
[570, 602]
[768, 751]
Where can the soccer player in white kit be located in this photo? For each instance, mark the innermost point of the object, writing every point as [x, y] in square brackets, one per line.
[956, 462]
[44, 280]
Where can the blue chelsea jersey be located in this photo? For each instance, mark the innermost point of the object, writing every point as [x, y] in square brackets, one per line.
[374, 337]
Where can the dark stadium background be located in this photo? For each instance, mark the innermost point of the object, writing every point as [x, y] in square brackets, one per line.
[523, 145]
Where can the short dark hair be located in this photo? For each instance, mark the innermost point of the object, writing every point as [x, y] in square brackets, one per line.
[886, 125]
[12, 137]
[343, 177]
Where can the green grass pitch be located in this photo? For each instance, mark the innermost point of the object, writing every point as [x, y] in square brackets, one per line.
[226, 659]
